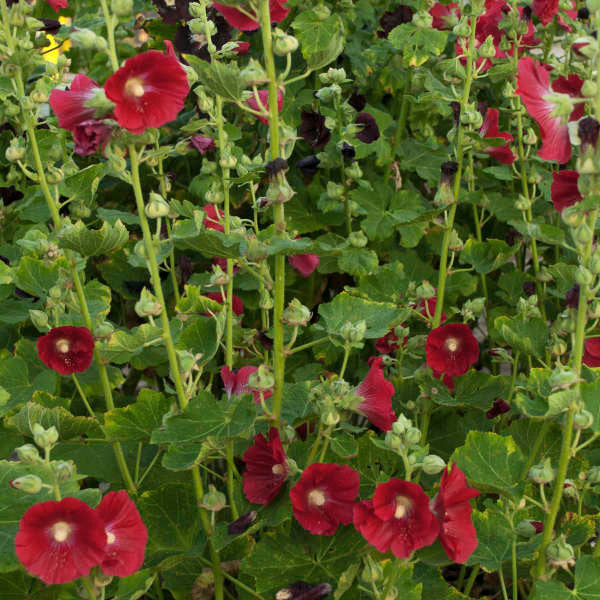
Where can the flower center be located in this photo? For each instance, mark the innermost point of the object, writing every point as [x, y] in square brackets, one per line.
[277, 470]
[61, 531]
[403, 505]
[62, 345]
[134, 87]
[110, 537]
[452, 344]
[316, 498]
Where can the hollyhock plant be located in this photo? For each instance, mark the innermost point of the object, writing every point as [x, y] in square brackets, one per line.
[447, 380]
[398, 518]
[305, 264]
[266, 468]
[499, 407]
[427, 308]
[236, 383]
[445, 16]
[263, 96]
[60, 541]
[451, 349]
[149, 90]
[453, 510]
[312, 129]
[591, 355]
[248, 19]
[545, 10]
[69, 105]
[238, 305]
[126, 535]
[67, 350]
[90, 135]
[324, 497]
[489, 129]
[370, 130]
[388, 344]
[204, 145]
[564, 190]
[377, 392]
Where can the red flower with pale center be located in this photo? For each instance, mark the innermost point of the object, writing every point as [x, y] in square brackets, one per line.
[238, 305]
[398, 518]
[305, 264]
[266, 468]
[69, 104]
[452, 507]
[248, 20]
[564, 190]
[263, 96]
[214, 217]
[442, 14]
[67, 350]
[324, 497]
[591, 355]
[58, 4]
[149, 90]
[377, 392]
[126, 535]
[60, 541]
[489, 129]
[451, 349]
[236, 383]
[533, 86]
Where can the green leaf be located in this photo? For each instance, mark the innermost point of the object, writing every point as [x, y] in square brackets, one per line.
[346, 580]
[345, 446]
[527, 336]
[137, 421]
[14, 375]
[313, 32]
[548, 234]
[35, 276]
[358, 261]
[417, 44]
[201, 335]
[479, 389]
[193, 302]
[94, 242]
[123, 346]
[112, 215]
[587, 583]
[387, 283]
[98, 298]
[590, 394]
[224, 79]
[552, 590]
[379, 316]
[15, 585]
[83, 185]
[136, 585]
[208, 242]
[322, 58]
[492, 462]
[487, 256]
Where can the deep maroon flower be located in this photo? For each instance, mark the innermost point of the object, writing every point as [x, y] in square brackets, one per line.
[451, 349]
[324, 497]
[348, 151]
[243, 22]
[398, 518]
[370, 130]
[238, 305]
[263, 96]
[173, 11]
[529, 288]
[187, 42]
[443, 15]
[309, 166]
[60, 541]
[149, 90]
[58, 4]
[587, 130]
[236, 383]
[266, 468]
[388, 344]
[564, 190]
[242, 524]
[305, 264]
[391, 19]
[68, 105]
[448, 170]
[591, 355]
[357, 101]
[538, 526]
[90, 135]
[499, 407]
[312, 129]
[572, 297]
[489, 129]
[203, 145]
[214, 218]
[533, 86]
[67, 350]
[377, 392]
[452, 508]
[126, 535]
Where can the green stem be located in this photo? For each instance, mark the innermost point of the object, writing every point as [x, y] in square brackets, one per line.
[315, 446]
[399, 132]
[539, 440]
[347, 350]
[89, 587]
[515, 588]
[149, 468]
[502, 584]
[83, 397]
[231, 481]
[236, 582]
[110, 33]
[307, 345]
[471, 580]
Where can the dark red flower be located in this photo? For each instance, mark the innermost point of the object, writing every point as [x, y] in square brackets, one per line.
[545, 10]
[266, 468]
[533, 86]
[572, 14]
[58, 4]
[398, 518]
[538, 526]
[564, 190]
[243, 22]
[452, 507]
[305, 264]
[60, 541]
[370, 130]
[427, 309]
[67, 350]
[324, 497]
[489, 129]
[499, 407]
[312, 129]
[126, 535]
[591, 355]
[451, 349]
[236, 383]
[388, 343]
[69, 104]
[173, 11]
[238, 305]
[377, 392]
[263, 96]
[443, 15]
[90, 135]
[391, 19]
[214, 218]
[203, 145]
[572, 296]
[242, 48]
[149, 90]
[447, 380]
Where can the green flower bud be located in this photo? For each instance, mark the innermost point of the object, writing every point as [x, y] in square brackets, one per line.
[337, 76]
[213, 500]
[530, 137]
[16, 151]
[44, 438]
[208, 167]
[30, 484]
[296, 314]
[525, 529]
[39, 320]
[285, 45]
[583, 419]
[327, 94]
[562, 379]
[358, 239]
[560, 554]
[559, 347]
[253, 73]
[522, 203]
[157, 206]
[487, 49]
[85, 38]
[462, 29]
[322, 12]
[265, 299]
[412, 436]
[583, 234]
[257, 250]
[28, 454]
[54, 175]
[455, 244]
[353, 333]
[104, 330]
[196, 10]
[33, 24]
[422, 19]
[64, 470]
[432, 464]
[147, 305]
[261, 380]
[584, 276]
[542, 472]
[594, 310]
[425, 291]
[372, 571]
[401, 425]
[334, 190]
[122, 8]
[570, 489]
[589, 89]
[593, 475]
[330, 416]
[572, 217]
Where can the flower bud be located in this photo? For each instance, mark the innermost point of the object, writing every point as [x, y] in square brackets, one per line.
[39, 320]
[54, 176]
[560, 554]
[285, 45]
[44, 438]
[28, 454]
[372, 571]
[353, 333]
[583, 234]
[358, 239]
[322, 12]
[122, 8]
[570, 490]
[589, 89]
[85, 38]
[594, 310]
[412, 436]
[213, 500]
[401, 425]
[147, 305]
[63, 470]
[559, 347]
[584, 276]
[242, 524]
[462, 29]
[262, 379]
[330, 416]
[30, 484]
[542, 472]
[253, 73]
[572, 217]
[157, 206]
[593, 475]
[296, 314]
[583, 419]
[525, 529]
[432, 464]
[487, 49]
[15, 151]
[425, 291]
[334, 190]
[422, 19]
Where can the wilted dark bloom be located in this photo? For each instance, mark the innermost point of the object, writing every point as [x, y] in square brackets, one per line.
[583, 14]
[448, 169]
[186, 268]
[499, 407]
[512, 235]
[51, 26]
[529, 288]
[391, 19]
[313, 131]
[348, 151]
[357, 101]
[276, 166]
[308, 165]
[90, 135]
[240, 525]
[538, 526]
[455, 106]
[572, 297]
[587, 130]
[265, 341]
[370, 130]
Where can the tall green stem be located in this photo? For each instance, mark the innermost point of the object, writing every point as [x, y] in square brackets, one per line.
[110, 33]
[401, 125]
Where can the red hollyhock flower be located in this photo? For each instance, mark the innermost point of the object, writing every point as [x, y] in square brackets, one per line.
[451, 349]
[242, 48]
[90, 135]
[203, 145]
[60, 541]
[447, 380]
[452, 507]
[305, 264]
[266, 468]
[388, 343]
[324, 497]
[428, 309]
[214, 217]
[591, 355]
[545, 10]
[67, 350]
[149, 90]
[533, 85]
[243, 22]
[68, 105]
[377, 392]
[564, 190]
[236, 383]
[126, 535]
[398, 518]
[489, 129]
[263, 95]
[58, 4]
[238, 305]
[443, 13]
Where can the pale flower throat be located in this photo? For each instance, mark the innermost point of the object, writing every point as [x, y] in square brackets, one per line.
[134, 87]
